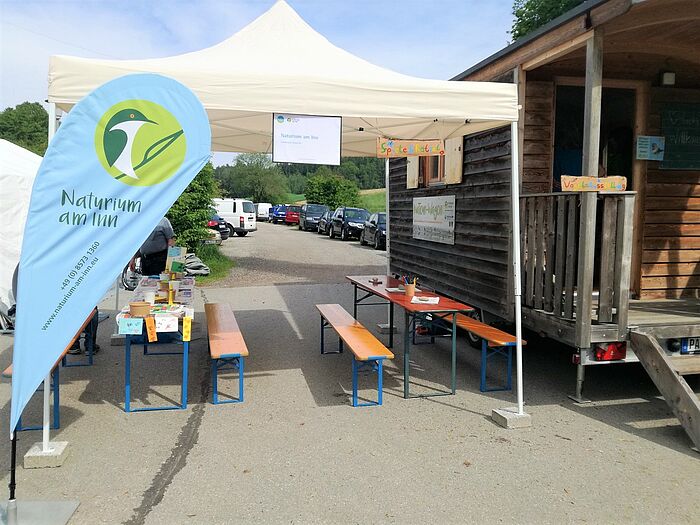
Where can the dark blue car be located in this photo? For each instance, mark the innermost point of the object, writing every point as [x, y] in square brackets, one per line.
[278, 213]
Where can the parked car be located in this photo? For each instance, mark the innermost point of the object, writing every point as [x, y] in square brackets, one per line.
[324, 223]
[375, 231]
[279, 212]
[348, 222]
[263, 211]
[217, 222]
[239, 215]
[292, 216]
[310, 215]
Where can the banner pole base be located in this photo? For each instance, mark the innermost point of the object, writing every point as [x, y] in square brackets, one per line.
[511, 418]
[54, 456]
[37, 512]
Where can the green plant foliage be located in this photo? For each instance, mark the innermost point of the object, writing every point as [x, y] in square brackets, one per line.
[331, 190]
[192, 210]
[533, 14]
[253, 176]
[26, 125]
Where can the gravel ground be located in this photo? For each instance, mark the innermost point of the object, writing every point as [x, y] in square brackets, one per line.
[296, 451]
[278, 254]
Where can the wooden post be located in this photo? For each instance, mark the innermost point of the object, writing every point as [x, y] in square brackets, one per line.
[623, 259]
[594, 95]
[607, 273]
[586, 252]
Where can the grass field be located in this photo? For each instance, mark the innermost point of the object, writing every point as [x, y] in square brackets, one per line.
[217, 262]
[373, 200]
[293, 198]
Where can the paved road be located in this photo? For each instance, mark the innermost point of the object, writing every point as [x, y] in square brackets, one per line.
[296, 451]
[278, 254]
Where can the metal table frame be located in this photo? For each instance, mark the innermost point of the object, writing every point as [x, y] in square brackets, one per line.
[408, 318]
[127, 373]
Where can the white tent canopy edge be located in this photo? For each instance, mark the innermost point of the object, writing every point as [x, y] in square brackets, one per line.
[279, 64]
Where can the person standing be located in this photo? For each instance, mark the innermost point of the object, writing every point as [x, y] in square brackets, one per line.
[154, 250]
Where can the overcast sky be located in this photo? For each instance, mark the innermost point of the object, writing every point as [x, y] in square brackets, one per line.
[426, 38]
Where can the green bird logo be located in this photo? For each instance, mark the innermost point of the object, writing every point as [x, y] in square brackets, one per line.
[133, 148]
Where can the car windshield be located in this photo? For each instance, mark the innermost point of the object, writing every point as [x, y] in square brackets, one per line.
[381, 219]
[248, 207]
[315, 209]
[294, 208]
[357, 214]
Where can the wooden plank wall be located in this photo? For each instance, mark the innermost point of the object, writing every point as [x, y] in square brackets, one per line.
[671, 254]
[474, 269]
[538, 144]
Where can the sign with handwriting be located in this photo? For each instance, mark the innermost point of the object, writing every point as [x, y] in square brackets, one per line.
[130, 325]
[390, 148]
[434, 219]
[570, 183]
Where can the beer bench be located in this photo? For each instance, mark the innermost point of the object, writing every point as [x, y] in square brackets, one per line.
[493, 342]
[227, 347]
[55, 383]
[367, 350]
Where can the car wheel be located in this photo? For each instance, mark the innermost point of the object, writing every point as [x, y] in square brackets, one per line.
[241, 234]
[377, 242]
[318, 229]
[230, 229]
[343, 234]
[362, 238]
[331, 233]
[300, 226]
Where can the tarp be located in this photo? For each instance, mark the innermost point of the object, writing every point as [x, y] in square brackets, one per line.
[278, 63]
[18, 168]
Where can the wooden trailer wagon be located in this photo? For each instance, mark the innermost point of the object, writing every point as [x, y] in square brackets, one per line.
[611, 88]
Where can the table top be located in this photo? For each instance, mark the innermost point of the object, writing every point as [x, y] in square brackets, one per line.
[367, 282]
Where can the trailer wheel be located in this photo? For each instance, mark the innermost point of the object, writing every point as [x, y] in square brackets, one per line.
[475, 340]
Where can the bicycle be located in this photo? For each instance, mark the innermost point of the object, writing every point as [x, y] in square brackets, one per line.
[130, 278]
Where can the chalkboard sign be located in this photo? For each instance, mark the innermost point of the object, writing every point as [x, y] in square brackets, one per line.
[681, 127]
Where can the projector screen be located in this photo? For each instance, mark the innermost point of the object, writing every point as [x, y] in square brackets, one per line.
[306, 139]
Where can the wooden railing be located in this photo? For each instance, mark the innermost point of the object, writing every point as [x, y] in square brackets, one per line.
[573, 243]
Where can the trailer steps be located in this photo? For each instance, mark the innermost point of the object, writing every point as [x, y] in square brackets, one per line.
[667, 373]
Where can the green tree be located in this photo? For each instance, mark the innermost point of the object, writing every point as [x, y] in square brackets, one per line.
[331, 190]
[532, 14]
[191, 211]
[26, 125]
[253, 176]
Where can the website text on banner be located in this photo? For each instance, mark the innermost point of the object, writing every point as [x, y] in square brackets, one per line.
[306, 139]
[117, 163]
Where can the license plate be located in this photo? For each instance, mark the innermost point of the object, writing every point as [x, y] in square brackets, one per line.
[690, 345]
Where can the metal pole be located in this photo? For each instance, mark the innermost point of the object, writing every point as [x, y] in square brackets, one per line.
[47, 381]
[390, 309]
[515, 211]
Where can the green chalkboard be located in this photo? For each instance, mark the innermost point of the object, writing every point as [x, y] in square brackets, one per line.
[680, 124]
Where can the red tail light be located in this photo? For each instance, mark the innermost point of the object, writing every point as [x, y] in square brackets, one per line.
[242, 222]
[212, 223]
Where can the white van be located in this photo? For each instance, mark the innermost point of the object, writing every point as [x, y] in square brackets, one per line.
[239, 215]
[264, 211]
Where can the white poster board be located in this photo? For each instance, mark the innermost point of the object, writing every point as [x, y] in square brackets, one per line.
[306, 139]
[434, 219]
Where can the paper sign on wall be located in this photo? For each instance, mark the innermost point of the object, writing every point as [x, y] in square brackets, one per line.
[650, 148]
[306, 139]
[434, 219]
[570, 183]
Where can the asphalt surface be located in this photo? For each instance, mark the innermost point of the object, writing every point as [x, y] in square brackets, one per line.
[296, 451]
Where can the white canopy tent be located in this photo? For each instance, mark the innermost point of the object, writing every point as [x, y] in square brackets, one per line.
[18, 168]
[279, 64]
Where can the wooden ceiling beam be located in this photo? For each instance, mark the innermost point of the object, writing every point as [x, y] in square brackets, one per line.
[558, 51]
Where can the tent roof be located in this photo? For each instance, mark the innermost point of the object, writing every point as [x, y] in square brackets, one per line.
[278, 63]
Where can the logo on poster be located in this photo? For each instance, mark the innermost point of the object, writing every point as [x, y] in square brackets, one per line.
[140, 143]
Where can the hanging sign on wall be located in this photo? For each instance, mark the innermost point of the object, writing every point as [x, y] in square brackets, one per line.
[391, 148]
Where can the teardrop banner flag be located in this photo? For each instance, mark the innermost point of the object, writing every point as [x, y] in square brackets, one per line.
[120, 159]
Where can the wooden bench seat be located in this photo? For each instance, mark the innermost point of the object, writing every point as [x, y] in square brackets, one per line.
[493, 342]
[227, 348]
[367, 350]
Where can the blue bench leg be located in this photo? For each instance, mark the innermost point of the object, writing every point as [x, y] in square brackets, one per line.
[214, 382]
[240, 378]
[354, 381]
[380, 380]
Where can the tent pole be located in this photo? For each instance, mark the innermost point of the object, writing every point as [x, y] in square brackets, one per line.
[386, 186]
[515, 211]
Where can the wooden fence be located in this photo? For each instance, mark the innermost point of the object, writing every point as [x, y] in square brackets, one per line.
[573, 243]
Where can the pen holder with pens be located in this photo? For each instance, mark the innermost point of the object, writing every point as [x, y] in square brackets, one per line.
[410, 289]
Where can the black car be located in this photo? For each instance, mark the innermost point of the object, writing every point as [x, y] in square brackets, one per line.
[375, 231]
[216, 222]
[348, 222]
[310, 215]
[324, 223]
